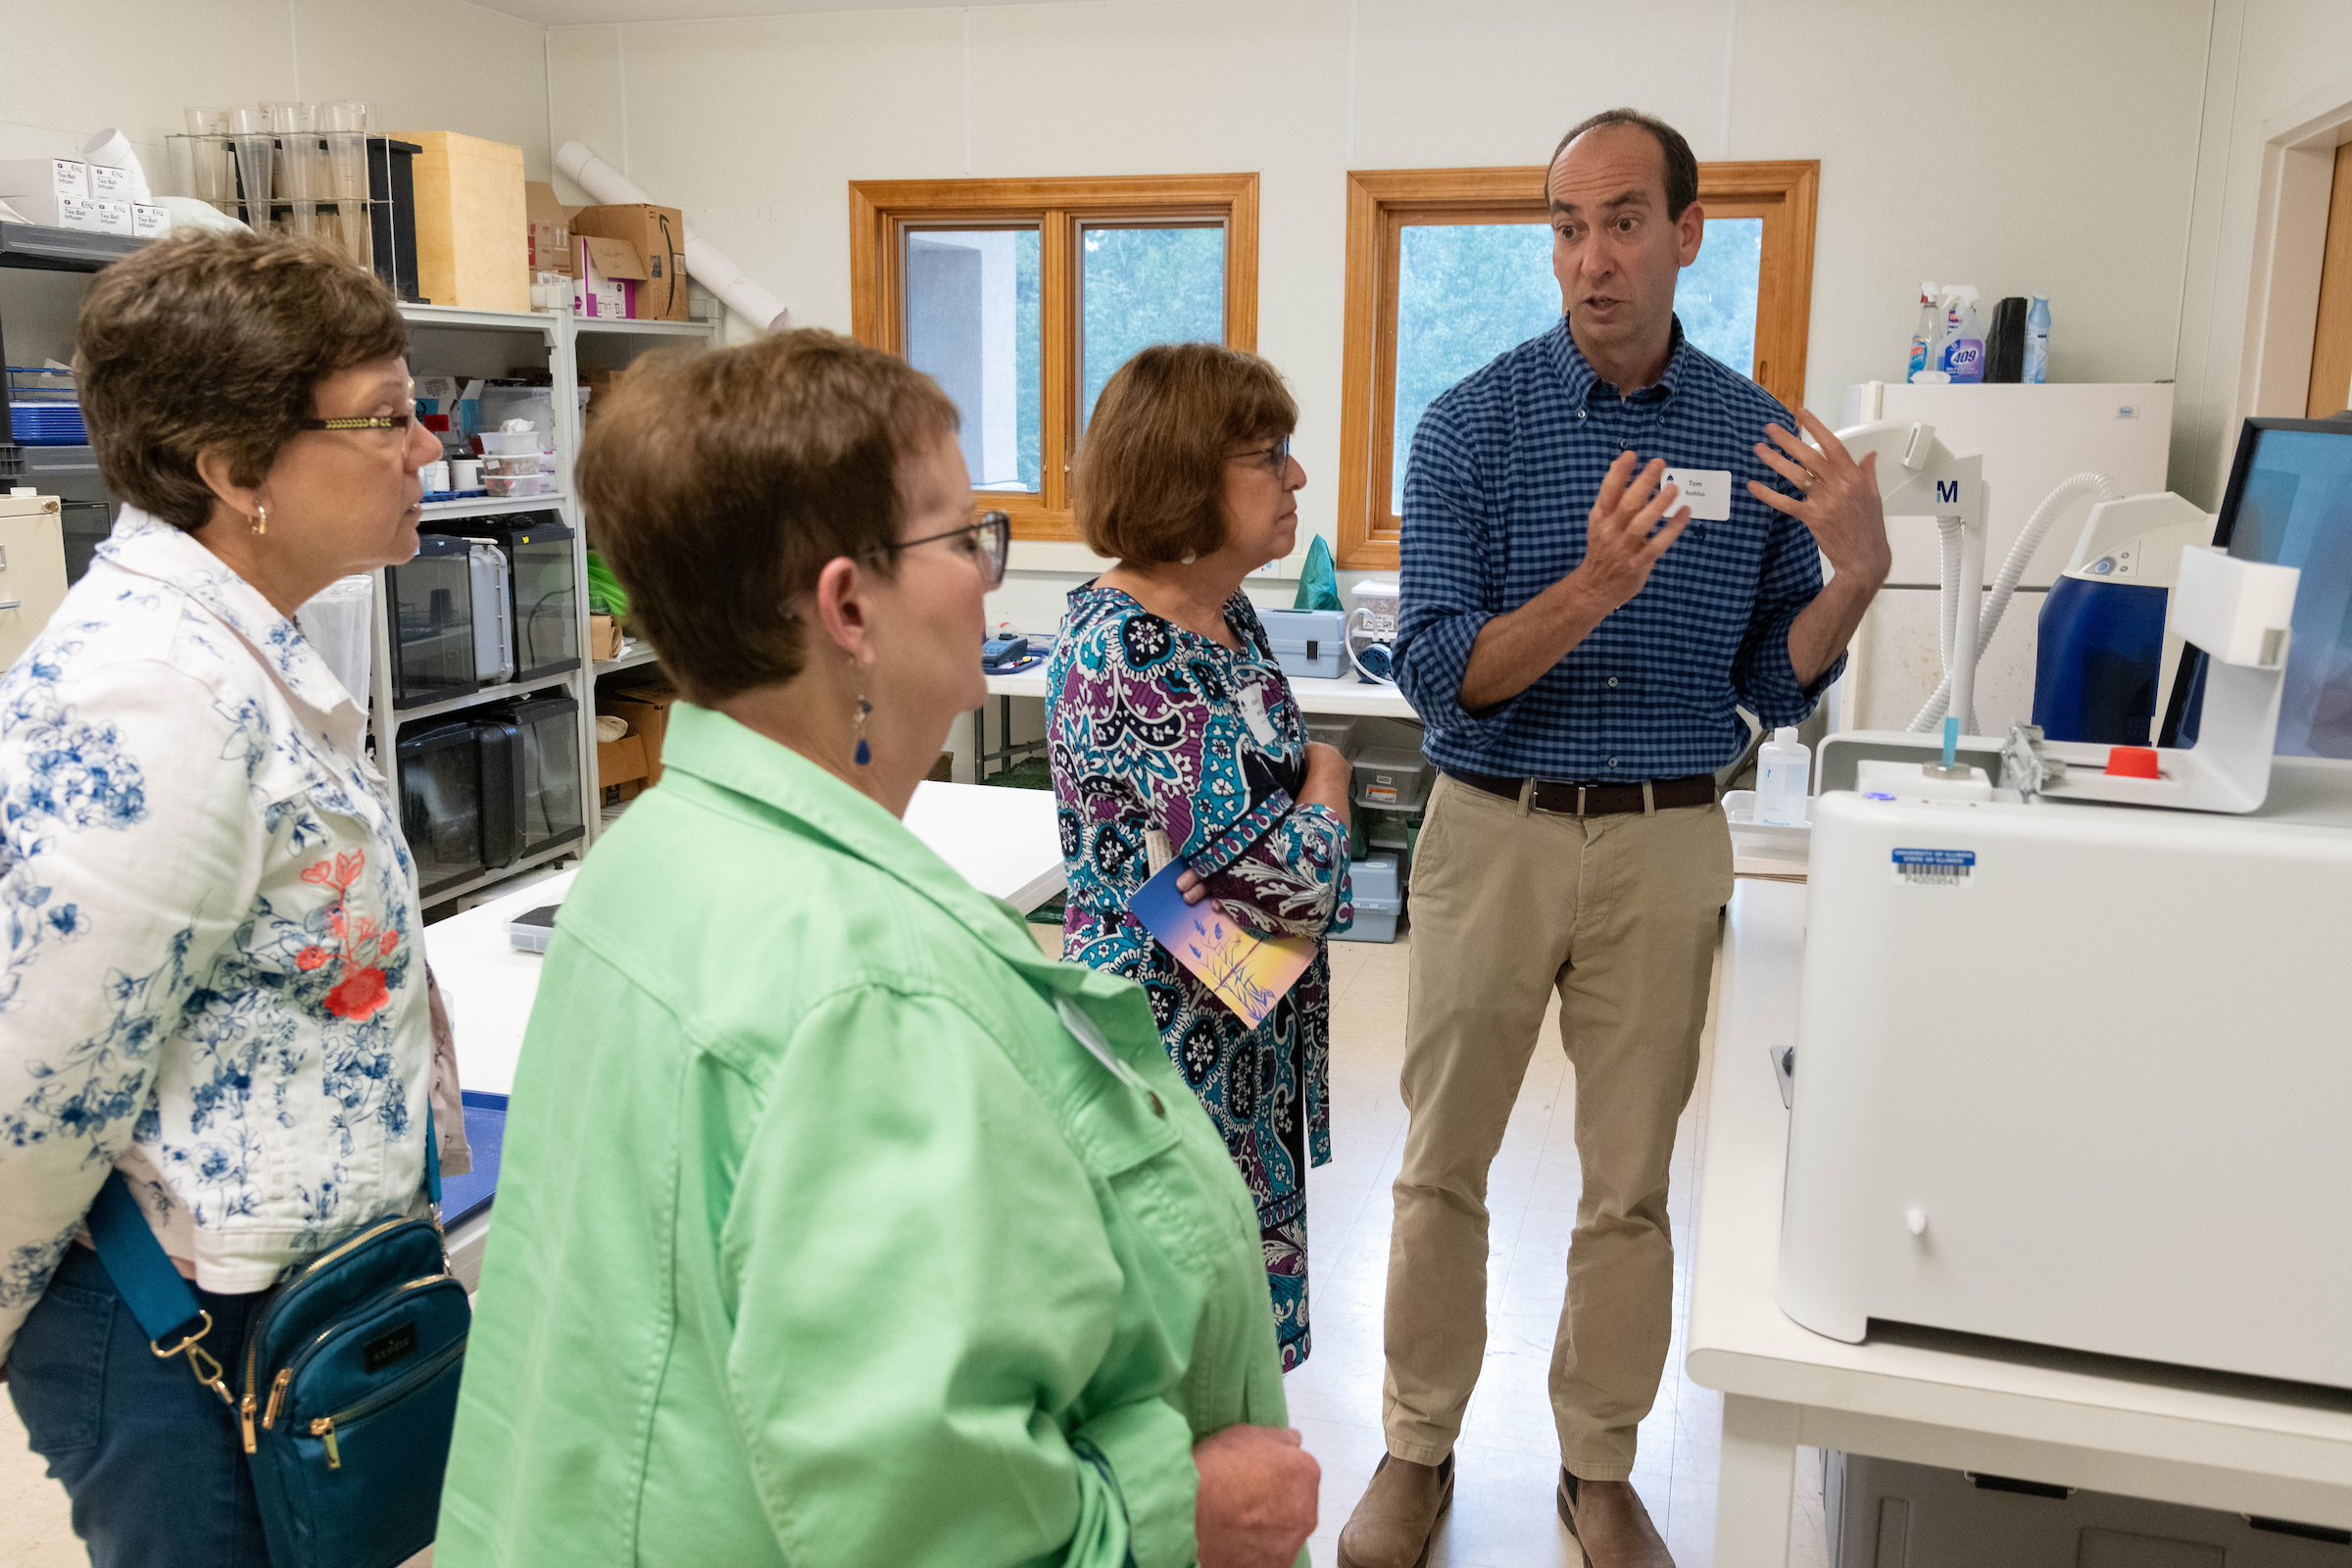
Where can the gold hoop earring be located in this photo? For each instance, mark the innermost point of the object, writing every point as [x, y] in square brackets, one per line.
[261, 520]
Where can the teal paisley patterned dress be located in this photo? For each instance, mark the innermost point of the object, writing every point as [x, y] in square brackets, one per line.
[1155, 727]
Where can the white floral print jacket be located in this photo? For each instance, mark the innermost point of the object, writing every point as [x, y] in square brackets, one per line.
[212, 974]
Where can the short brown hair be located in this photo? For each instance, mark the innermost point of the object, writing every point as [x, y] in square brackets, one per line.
[1149, 484]
[719, 485]
[217, 340]
[1681, 168]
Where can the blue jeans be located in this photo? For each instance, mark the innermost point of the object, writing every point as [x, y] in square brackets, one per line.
[152, 1461]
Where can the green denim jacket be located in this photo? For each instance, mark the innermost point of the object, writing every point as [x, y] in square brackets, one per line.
[821, 1239]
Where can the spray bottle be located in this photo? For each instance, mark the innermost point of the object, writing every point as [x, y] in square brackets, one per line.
[1926, 333]
[1963, 355]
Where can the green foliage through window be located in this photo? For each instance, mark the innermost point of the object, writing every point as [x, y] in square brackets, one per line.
[1466, 292]
[1143, 286]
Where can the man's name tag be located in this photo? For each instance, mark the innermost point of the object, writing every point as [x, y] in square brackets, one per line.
[1707, 492]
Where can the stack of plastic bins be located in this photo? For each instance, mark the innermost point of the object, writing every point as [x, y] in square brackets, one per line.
[1379, 900]
[1391, 785]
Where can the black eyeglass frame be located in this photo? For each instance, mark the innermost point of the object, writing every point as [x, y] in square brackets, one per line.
[996, 533]
[360, 421]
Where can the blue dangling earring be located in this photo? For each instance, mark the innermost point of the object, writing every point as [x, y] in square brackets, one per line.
[865, 753]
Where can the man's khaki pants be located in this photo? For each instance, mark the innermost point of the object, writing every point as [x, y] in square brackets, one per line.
[1619, 914]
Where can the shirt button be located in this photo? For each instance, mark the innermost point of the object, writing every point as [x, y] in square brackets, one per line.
[1612, 680]
[1579, 413]
[1613, 761]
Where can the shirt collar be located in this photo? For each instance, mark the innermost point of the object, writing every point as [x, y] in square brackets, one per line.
[729, 756]
[150, 547]
[1584, 382]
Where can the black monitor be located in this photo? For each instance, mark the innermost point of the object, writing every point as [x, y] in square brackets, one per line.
[2290, 504]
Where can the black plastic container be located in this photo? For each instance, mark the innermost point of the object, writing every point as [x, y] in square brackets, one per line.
[441, 805]
[392, 215]
[546, 595]
[2006, 341]
[552, 794]
[432, 622]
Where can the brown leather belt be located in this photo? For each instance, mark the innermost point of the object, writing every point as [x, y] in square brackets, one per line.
[1570, 799]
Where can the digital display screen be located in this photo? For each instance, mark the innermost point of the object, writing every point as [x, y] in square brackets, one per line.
[2293, 507]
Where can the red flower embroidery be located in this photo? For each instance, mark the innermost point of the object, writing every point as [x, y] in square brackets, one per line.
[362, 993]
[363, 990]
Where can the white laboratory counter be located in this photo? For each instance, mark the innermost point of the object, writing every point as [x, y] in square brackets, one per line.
[2215, 1442]
[1003, 839]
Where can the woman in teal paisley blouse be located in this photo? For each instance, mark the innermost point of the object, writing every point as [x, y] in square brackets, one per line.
[1173, 733]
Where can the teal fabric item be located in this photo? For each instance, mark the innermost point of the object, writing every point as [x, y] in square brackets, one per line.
[1319, 583]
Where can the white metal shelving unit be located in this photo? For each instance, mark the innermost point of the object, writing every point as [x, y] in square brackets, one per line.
[439, 332]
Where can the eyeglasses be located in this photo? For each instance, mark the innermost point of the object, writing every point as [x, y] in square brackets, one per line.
[1277, 457]
[360, 421]
[989, 541]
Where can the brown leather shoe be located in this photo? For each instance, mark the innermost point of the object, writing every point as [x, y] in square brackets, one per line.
[1398, 1514]
[1611, 1527]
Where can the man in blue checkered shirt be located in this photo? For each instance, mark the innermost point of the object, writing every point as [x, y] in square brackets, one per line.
[1610, 540]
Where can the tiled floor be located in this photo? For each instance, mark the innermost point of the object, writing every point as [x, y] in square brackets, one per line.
[1502, 1510]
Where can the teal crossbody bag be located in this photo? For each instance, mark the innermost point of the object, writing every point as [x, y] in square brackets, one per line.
[348, 1383]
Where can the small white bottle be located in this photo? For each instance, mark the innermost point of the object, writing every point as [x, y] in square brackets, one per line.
[1783, 768]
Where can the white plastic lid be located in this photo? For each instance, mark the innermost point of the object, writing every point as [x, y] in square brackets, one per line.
[1786, 735]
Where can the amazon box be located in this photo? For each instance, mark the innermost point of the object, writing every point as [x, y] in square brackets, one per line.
[658, 234]
[606, 277]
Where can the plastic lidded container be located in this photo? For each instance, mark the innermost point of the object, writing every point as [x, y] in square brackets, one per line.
[1784, 771]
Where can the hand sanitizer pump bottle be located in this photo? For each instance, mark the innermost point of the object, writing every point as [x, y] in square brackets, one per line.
[1783, 768]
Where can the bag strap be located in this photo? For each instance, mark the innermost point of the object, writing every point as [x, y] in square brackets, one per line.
[154, 1289]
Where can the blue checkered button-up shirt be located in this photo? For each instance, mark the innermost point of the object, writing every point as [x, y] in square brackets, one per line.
[1504, 468]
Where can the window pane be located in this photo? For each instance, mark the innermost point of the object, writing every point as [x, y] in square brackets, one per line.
[1716, 295]
[1143, 286]
[972, 323]
[1465, 292]
[1468, 291]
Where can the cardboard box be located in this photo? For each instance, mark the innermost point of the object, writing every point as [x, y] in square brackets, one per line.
[604, 637]
[606, 275]
[658, 234]
[473, 239]
[549, 231]
[647, 709]
[42, 176]
[149, 222]
[621, 761]
[113, 216]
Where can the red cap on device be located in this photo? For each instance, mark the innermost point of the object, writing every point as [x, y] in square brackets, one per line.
[2132, 762]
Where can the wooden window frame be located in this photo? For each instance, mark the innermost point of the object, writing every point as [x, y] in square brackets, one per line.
[881, 210]
[1382, 202]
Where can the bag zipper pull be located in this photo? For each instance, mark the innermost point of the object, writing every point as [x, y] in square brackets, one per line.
[325, 1427]
[245, 1419]
[277, 1392]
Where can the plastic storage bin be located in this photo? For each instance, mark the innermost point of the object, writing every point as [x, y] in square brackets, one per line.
[1378, 901]
[1884, 1514]
[554, 794]
[1392, 778]
[1337, 732]
[547, 627]
[1307, 642]
[432, 622]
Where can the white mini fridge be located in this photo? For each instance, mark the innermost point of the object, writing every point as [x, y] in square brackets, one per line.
[2032, 437]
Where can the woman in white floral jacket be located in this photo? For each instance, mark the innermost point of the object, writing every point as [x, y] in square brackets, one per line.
[214, 980]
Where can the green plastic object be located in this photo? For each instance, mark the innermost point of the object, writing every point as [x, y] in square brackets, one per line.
[606, 595]
[1319, 583]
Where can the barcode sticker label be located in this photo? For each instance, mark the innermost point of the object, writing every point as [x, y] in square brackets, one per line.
[1934, 868]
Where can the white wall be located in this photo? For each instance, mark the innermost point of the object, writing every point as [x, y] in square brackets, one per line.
[136, 64]
[756, 126]
[2265, 56]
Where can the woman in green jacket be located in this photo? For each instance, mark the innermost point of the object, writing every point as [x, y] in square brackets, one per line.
[836, 1224]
